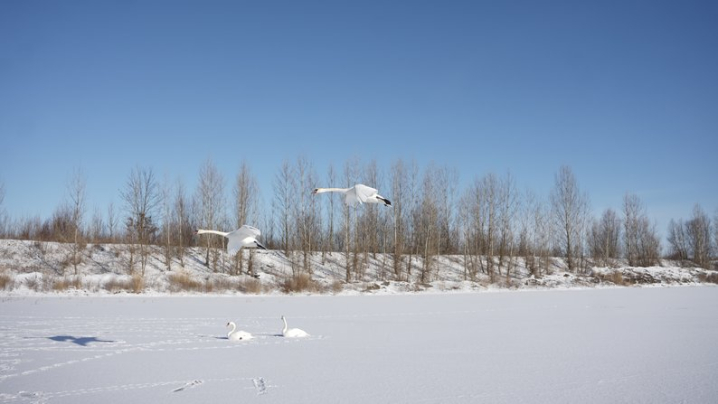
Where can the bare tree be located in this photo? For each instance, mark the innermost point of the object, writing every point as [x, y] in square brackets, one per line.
[304, 210]
[464, 230]
[368, 216]
[427, 221]
[487, 213]
[604, 238]
[677, 240]
[543, 236]
[246, 200]
[351, 175]
[399, 185]
[77, 201]
[96, 230]
[211, 203]
[641, 242]
[525, 230]
[698, 232]
[508, 203]
[167, 219]
[570, 211]
[282, 206]
[474, 208]
[331, 213]
[141, 197]
[111, 222]
[181, 221]
[447, 184]
[534, 233]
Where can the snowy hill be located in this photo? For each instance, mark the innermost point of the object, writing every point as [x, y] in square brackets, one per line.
[41, 267]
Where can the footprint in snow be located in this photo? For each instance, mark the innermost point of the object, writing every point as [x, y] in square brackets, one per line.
[260, 386]
[189, 385]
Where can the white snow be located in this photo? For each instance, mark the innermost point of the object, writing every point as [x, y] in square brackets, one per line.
[650, 345]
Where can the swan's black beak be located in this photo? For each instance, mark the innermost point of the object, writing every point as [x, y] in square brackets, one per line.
[315, 191]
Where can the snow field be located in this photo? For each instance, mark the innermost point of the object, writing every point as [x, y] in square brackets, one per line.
[648, 345]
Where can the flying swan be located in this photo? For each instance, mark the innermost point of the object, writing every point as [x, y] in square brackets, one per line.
[245, 236]
[292, 332]
[233, 335]
[359, 193]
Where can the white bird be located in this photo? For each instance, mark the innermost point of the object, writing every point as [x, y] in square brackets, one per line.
[233, 335]
[292, 332]
[245, 236]
[359, 193]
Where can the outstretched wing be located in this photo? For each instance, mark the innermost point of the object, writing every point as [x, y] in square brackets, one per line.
[364, 192]
[249, 231]
[237, 237]
[233, 246]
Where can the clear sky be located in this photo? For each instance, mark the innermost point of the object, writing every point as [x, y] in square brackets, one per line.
[624, 92]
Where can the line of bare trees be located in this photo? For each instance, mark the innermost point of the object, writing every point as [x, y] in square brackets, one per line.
[691, 240]
[489, 225]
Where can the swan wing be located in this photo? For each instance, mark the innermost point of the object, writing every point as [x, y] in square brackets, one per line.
[296, 333]
[350, 197]
[237, 237]
[234, 245]
[364, 192]
[248, 231]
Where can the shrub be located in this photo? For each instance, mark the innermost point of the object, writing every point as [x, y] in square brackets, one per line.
[33, 283]
[135, 284]
[65, 283]
[299, 283]
[6, 281]
[708, 277]
[617, 278]
[337, 286]
[251, 286]
[182, 281]
[218, 284]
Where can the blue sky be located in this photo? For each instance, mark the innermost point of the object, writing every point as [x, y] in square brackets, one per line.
[624, 92]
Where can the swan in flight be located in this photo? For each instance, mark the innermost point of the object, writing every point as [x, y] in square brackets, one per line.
[245, 236]
[359, 193]
[233, 335]
[292, 332]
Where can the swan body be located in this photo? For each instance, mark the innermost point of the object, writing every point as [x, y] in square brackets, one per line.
[292, 332]
[245, 236]
[233, 335]
[359, 193]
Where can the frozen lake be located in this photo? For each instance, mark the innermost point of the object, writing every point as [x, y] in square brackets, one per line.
[652, 345]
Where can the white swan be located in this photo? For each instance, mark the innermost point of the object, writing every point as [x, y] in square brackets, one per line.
[292, 332]
[245, 236]
[233, 335]
[359, 193]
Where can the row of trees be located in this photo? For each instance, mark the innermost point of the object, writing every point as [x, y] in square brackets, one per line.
[490, 223]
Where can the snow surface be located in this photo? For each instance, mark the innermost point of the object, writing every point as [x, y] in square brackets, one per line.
[638, 345]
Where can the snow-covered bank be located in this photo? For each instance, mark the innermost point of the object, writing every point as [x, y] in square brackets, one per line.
[30, 267]
[649, 345]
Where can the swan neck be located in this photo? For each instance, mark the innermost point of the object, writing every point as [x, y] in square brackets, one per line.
[323, 190]
[234, 327]
[221, 233]
[284, 330]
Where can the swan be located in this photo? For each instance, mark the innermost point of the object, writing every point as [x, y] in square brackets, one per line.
[245, 236]
[292, 332]
[233, 335]
[358, 193]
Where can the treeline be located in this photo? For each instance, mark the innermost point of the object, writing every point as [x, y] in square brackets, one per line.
[490, 223]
